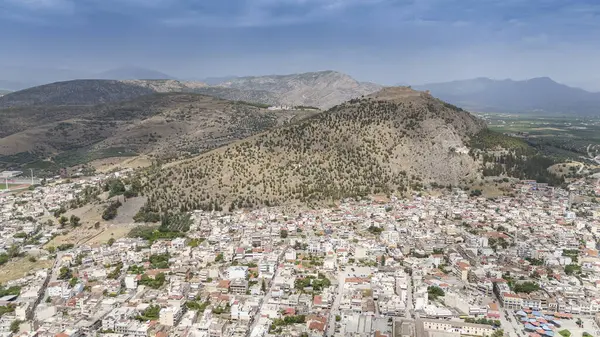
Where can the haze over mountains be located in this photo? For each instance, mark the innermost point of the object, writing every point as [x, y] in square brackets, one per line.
[534, 96]
[226, 148]
[320, 89]
[133, 73]
[161, 117]
[328, 88]
[19, 78]
[323, 89]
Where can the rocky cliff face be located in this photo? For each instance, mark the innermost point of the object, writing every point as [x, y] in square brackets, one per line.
[320, 89]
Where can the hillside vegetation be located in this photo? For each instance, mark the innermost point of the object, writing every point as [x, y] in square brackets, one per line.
[247, 95]
[393, 141]
[503, 155]
[78, 92]
[163, 125]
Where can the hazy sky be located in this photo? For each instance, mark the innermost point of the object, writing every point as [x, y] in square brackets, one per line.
[386, 41]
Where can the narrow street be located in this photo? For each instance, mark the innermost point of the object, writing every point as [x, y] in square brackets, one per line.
[335, 308]
[265, 299]
[511, 327]
[52, 276]
[409, 300]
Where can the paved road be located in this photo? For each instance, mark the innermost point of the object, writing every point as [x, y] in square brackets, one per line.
[409, 299]
[265, 299]
[335, 308]
[512, 328]
[51, 278]
[596, 159]
[580, 167]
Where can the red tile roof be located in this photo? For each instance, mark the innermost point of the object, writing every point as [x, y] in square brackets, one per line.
[314, 325]
[224, 284]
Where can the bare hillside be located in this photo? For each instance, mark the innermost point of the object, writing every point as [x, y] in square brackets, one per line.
[392, 141]
[170, 125]
[321, 89]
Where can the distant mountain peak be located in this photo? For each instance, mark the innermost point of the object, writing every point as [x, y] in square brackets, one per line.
[395, 93]
[323, 89]
[539, 95]
[543, 79]
[133, 73]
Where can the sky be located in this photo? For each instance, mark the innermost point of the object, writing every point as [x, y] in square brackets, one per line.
[383, 41]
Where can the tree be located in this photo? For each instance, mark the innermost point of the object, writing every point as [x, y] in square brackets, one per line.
[151, 313]
[375, 230]
[159, 261]
[74, 221]
[13, 251]
[63, 221]
[565, 333]
[197, 306]
[97, 225]
[111, 241]
[526, 287]
[283, 234]
[158, 281]
[263, 286]
[111, 211]
[15, 325]
[14, 290]
[382, 260]
[435, 292]
[195, 242]
[51, 249]
[115, 187]
[572, 268]
[338, 318]
[498, 333]
[476, 193]
[73, 282]
[65, 246]
[4, 258]
[65, 273]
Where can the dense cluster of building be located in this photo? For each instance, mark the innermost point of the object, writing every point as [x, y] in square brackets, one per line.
[447, 264]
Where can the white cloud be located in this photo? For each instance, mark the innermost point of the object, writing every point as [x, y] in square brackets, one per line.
[41, 5]
[263, 13]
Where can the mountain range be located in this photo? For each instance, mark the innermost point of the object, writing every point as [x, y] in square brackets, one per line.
[319, 89]
[18, 78]
[133, 73]
[163, 118]
[322, 89]
[325, 89]
[534, 96]
[235, 144]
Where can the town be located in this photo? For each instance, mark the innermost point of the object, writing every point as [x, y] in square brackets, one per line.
[446, 263]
